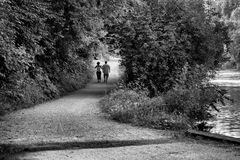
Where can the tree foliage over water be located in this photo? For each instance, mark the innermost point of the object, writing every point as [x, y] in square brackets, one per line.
[169, 43]
[171, 48]
[229, 11]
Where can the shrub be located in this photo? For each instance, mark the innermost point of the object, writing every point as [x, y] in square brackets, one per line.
[129, 106]
[122, 104]
[194, 104]
[177, 109]
[153, 114]
[79, 73]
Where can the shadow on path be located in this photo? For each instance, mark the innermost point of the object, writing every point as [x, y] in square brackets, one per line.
[10, 149]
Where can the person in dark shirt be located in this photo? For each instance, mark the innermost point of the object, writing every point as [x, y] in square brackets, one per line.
[98, 67]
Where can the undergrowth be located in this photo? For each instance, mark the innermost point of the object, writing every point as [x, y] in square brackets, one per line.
[178, 109]
[27, 91]
[129, 106]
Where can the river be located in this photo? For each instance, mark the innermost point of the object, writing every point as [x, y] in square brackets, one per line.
[227, 121]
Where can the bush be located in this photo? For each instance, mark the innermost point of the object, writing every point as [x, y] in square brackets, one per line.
[129, 106]
[153, 114]
[79, 73]
[196, 104]
[177, 109]
[122, 104]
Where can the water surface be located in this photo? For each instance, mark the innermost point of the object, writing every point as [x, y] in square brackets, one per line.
[227, 121]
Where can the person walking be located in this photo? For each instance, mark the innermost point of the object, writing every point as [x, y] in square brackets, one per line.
[98, 67]
[106, 71]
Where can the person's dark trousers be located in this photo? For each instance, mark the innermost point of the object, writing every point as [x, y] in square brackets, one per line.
[99, 76]
[105, 77]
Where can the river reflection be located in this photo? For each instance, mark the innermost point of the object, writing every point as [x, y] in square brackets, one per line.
[227, 121]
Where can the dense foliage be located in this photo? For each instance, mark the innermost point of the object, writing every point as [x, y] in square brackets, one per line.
[45, 48]
[171, 48]
[177, 109]
[229, 11]
[169, 43]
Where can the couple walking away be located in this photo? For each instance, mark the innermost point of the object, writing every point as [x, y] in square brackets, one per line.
[105, 69]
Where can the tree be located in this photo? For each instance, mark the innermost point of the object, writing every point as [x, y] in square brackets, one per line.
[229, 6]
[46, 48]
[171, 48]
[235, 16]
[169, 43]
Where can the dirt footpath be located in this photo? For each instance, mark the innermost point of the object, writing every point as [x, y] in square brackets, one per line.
[73, 127]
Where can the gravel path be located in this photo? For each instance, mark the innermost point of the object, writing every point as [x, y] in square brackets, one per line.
[170, 151]
[77, 118]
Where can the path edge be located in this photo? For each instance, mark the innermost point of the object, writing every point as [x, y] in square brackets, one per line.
[213, 136]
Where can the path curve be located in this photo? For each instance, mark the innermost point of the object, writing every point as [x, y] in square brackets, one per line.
[76, 119]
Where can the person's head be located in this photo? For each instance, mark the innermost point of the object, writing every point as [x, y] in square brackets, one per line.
[105, 62]
[98, 63]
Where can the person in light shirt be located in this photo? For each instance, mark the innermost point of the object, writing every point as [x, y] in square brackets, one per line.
[106, 71]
